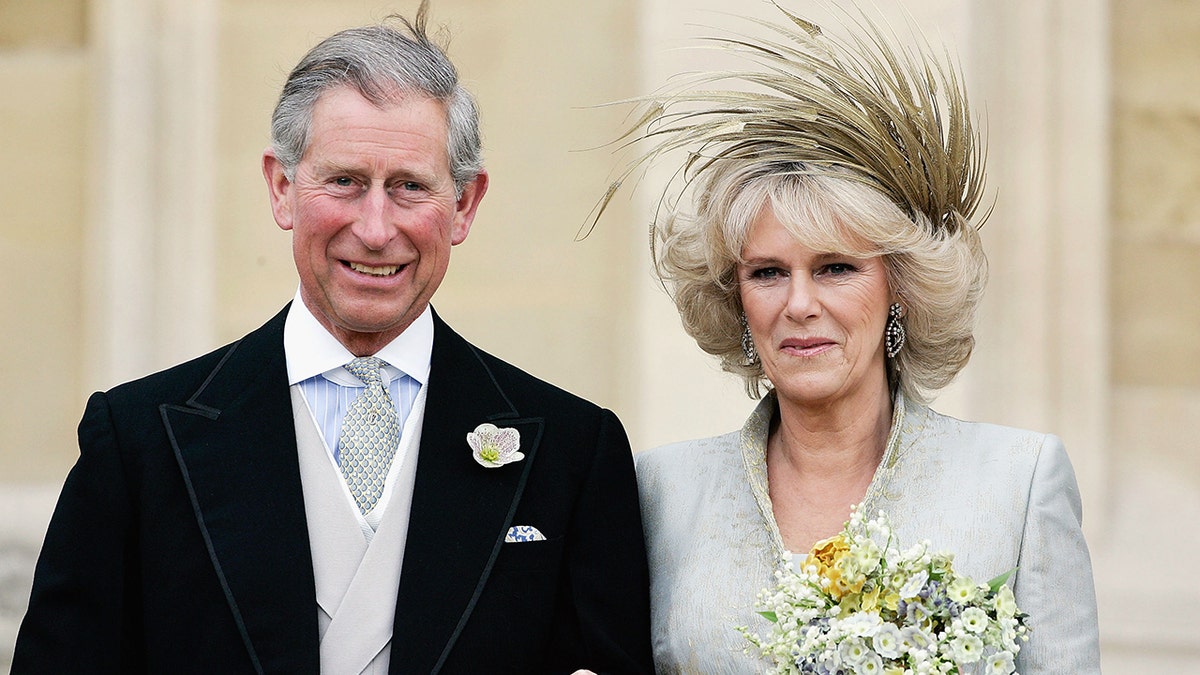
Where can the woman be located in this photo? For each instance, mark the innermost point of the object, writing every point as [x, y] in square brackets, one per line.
[830, 257]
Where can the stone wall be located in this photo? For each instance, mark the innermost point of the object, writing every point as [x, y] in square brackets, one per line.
[1155, 277]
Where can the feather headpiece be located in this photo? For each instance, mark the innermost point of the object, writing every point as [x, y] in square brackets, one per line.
[863, 108]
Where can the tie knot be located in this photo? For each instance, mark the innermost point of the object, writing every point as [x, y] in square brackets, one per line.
[366, 368]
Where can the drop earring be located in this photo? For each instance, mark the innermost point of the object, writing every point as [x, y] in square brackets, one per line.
[748, 343]
[893, 336]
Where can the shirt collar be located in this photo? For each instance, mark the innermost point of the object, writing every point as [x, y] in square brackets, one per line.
[310, 350]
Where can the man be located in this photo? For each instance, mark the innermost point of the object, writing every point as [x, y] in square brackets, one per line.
[351, 488]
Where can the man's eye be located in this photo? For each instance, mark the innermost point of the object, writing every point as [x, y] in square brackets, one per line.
[343, 181]
[410, 186]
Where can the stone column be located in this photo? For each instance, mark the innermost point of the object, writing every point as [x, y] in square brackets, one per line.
[149, 260]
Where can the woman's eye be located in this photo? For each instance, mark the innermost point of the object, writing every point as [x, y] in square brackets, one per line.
[837, 269]
[766, 273]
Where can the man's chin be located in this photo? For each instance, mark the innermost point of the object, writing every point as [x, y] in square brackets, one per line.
[368, 326]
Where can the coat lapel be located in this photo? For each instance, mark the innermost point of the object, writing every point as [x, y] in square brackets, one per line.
[460, 510]
[235, 443]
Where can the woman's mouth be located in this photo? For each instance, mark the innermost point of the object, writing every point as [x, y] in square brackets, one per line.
[807, 346]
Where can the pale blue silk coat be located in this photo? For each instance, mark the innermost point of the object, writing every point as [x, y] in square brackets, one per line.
[998, 498]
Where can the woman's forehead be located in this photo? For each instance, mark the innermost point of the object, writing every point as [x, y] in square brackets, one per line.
[820, 228]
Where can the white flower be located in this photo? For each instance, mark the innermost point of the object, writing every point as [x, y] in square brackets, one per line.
[853, 651]
[1000, 663]
[866, 556]
[917, 614]
[966, 648]
[871, 665]
[494, 447]
[1006, 604]
[915, 639]
[860, 624]
[887, 642]
[914, 585]
[974, 619]
[962, 590]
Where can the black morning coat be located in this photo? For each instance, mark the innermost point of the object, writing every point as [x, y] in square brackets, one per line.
[180, 545]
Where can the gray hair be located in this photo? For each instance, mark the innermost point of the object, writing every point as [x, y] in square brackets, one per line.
[382, 63]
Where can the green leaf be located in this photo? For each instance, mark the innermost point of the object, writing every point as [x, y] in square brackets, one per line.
[999, 581]
[769, 616]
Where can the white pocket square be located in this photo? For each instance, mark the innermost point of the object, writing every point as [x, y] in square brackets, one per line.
[520, 533]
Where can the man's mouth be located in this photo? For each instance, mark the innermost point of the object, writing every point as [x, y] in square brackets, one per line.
[384, 271]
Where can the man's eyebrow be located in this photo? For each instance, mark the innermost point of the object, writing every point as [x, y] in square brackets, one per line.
[333, 166]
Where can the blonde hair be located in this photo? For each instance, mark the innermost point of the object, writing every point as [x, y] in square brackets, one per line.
[939, 273]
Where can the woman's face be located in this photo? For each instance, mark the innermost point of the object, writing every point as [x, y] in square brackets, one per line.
[817, 318]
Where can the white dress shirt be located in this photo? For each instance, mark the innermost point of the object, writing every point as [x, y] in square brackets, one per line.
[315, 364]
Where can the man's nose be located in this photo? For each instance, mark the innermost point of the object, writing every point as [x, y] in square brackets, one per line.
[374, 226]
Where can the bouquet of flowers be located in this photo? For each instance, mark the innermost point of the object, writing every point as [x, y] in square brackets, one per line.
[861, 605]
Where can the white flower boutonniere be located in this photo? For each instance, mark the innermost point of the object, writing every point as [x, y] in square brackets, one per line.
[494, 447]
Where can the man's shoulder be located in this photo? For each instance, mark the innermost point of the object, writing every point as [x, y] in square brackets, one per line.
[184, 379]
[517, 383]
[522, 383]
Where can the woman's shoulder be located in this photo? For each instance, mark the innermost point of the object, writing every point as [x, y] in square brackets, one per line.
[990, 452]
[929, 424]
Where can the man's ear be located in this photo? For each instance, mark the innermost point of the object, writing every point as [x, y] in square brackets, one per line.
[278, 188]
[464, 209]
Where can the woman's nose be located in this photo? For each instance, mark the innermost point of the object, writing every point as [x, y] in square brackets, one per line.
[802, 300]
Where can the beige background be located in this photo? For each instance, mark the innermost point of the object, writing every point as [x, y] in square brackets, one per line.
[135, 232]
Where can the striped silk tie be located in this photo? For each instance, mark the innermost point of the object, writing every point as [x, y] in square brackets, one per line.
[370, 435]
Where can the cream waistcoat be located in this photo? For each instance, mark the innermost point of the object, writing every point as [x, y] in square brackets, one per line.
[356, 576]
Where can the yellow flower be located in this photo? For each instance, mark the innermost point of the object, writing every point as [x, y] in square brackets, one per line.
[891, 600]
[870, 600]
[826, 553]
[824, 558]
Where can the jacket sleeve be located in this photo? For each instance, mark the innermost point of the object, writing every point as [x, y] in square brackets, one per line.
[77, 619]
[609, 581]
[1054, 579]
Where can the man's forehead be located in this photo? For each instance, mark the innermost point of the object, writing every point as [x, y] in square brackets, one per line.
[381, 97]
[347, 128]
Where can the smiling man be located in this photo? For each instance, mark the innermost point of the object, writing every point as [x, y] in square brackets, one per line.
[351, 488]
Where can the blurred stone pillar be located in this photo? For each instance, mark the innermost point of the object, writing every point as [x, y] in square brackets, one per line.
[149, 246]
[1040, 71]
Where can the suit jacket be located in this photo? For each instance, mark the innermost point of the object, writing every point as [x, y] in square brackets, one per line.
[997, 498]
[179, 543]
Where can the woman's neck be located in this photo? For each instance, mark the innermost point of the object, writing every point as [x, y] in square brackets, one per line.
[830, 438]
[820, 462]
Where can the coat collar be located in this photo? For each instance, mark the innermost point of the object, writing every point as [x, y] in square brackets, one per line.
[235, 443]
[460, 510]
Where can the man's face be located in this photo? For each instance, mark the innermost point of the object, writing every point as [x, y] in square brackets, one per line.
[373, 213]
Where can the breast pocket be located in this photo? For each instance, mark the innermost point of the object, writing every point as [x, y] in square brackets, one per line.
[530, 555]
